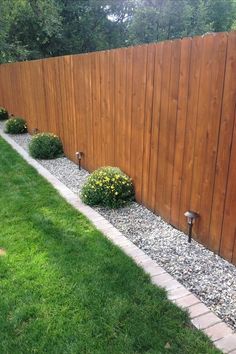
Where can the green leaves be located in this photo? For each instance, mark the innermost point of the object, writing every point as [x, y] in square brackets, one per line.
[3, 113]
[16, 125]
[45, 146]
[31, 29]
[160, 20]
[108, 186]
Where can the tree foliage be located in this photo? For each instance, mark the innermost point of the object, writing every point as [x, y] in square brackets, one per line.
[31, 29]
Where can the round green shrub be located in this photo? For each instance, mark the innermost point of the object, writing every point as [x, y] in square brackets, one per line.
[109, 187]
[45, 146]
[3, 114]
[16, 126]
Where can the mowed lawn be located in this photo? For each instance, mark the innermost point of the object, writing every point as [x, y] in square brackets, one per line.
[64, 288]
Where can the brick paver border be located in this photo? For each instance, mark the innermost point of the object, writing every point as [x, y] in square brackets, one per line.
[201, 316]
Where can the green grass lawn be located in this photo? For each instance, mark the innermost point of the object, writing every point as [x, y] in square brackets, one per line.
[64, 288]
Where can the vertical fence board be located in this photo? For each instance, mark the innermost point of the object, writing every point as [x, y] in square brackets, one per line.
[80, 106]
[89, 158]
[202, 134]
[190, 129]
[171, 128]
[212, 119]
[96, 110]
[147, 129]
[164, 129]
[52, 95]
[35, 87]
[224, 145]
[229, 224]
[119, 108]
[128, 108]
[180, 128]
[138, 99]
[153, 168]
[67, 104]
[110, 121]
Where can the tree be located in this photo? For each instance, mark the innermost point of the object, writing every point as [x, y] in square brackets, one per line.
[155, 20]
[221, 14]
[94, 24]
[36, 27]
[31, 29]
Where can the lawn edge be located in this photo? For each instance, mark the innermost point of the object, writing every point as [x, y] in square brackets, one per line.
[201, 316]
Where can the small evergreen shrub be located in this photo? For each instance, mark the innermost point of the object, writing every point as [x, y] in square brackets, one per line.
[3, 114]
[16, 126]
[109, 187]
[45, 146]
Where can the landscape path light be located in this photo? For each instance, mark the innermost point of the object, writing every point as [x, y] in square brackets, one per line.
[79, 157]
[191, 217]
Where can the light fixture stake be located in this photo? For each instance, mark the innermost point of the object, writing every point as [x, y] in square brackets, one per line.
[79, 157]
[191, 217]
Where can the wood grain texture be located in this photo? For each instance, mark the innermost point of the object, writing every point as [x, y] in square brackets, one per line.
[164, 113]
[180, 128]
[224, 145]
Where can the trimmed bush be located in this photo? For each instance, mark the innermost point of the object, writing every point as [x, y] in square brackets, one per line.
[3, 114]
[16, 126]
[109, 187]
[45, 146]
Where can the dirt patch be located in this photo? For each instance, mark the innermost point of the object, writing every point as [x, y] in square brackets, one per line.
[2, 252]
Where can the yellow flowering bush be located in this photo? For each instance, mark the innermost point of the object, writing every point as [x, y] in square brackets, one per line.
[45, 146]
[109, 187]
[16, 125]
[3, 113]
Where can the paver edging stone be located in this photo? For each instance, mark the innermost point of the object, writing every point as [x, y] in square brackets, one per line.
[176, 292]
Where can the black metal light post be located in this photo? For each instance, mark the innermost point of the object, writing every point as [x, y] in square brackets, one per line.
[191, 217]
[79, 157]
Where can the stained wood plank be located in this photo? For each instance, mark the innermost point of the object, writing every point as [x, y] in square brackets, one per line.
[148, 114]
[153, 168]
[138, 99]
[128, 108]
[180, 128]
[212, 126]
[171, 129]
[65, 65]
[36, 108]
[89, 141]
[227, 245]
[201, 137]
[120, 154]
[224, 145]
[80, 103]
[52, 94]
[96, 110]
[190, 129]
[164, 128]
[106, 107]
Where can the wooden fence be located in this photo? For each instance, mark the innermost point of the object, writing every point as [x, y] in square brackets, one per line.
[164, 113]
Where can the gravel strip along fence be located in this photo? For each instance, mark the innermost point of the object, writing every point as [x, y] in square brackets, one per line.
[207, 275]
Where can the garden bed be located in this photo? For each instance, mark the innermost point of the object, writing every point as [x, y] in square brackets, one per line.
[207, 275]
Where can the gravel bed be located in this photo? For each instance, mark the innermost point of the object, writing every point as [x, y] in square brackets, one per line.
[207, 275]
